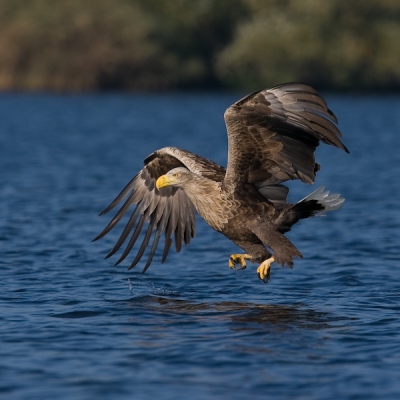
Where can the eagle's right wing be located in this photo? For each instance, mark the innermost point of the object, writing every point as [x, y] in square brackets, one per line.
[167, 211]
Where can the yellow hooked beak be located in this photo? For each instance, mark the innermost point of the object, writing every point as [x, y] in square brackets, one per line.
[163, 181]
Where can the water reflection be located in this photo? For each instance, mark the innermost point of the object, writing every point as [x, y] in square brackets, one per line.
[297, 315]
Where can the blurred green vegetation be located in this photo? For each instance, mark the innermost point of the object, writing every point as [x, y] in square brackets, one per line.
[72, 45]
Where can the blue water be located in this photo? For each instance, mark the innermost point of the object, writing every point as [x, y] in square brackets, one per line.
[74, 326]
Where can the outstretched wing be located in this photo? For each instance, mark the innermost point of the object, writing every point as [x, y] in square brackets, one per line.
[167, 211]
[273, 134]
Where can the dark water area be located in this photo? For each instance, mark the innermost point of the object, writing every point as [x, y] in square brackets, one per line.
[74, 326]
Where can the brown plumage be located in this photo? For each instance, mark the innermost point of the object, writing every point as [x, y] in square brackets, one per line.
[272, 137]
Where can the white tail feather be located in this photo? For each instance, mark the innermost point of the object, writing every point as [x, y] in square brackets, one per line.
[330, 202]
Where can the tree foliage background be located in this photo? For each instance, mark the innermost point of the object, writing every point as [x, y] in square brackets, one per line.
[74, 45]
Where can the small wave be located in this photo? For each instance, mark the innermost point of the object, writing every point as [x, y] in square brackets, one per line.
[78, 314]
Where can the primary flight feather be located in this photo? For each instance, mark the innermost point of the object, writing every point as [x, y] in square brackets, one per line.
[272, 137]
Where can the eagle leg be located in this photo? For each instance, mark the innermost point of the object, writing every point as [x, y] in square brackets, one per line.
[264, 269]
[238, 259]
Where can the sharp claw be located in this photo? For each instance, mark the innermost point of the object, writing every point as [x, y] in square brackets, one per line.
[264, 270]
[265, 279]
[238, 259]
[234, 267]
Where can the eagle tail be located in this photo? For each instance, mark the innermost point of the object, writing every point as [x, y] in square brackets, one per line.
[318, 203]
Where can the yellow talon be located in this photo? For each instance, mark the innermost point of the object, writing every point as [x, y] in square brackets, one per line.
[238, 259]
[263, 270]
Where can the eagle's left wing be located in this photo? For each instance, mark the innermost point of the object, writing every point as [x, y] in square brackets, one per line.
[273, 134]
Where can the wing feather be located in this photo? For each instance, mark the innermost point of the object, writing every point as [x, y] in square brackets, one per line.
[128, 227]
[133, 239]
[144, 244]
[273, 134]
[168, 211]
[161, 216]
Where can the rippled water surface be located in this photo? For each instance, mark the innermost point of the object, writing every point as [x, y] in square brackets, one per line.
[74, 326]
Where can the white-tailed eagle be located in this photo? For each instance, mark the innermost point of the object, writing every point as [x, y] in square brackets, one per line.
[272, 137]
